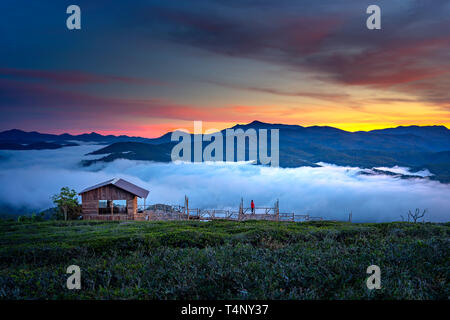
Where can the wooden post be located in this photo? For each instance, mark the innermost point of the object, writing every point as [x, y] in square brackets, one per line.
[186, 205]
[277, 209]
[241, 210]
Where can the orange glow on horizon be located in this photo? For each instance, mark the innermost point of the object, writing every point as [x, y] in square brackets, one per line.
[362, 117]
[162, 129]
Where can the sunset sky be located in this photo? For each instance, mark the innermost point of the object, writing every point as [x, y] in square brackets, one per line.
[147, 67]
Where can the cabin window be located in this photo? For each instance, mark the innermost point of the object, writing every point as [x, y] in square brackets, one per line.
[120, 206]
[112, 207]
[104, 207]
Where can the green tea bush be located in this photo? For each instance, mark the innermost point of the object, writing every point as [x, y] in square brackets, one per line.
[223, 260]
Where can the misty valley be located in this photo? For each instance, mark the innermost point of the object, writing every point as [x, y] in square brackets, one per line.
[329, 181]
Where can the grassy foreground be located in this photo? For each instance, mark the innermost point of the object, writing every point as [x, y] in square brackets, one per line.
[223, 260]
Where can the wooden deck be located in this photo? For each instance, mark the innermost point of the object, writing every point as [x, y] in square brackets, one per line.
[162, 212]
[243, 214]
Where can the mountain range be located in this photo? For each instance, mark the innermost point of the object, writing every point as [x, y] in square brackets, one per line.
[416, 147]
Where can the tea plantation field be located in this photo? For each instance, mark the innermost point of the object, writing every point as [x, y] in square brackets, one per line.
[223, 260]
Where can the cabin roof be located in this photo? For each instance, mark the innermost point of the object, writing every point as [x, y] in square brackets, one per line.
[122, 184]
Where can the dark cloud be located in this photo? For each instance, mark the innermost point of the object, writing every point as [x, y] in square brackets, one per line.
[326, 38]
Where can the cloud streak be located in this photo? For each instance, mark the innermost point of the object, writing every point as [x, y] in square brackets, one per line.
[327, 96]
[72, 77]
[70, 108]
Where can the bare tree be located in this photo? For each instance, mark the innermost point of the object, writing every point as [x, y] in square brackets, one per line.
[416, 215]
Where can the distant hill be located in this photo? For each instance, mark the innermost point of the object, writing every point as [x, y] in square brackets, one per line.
[417, 147]
[425, 138]
[19, 137]
[134, 151]
[305, 146]
[424, 131]
[21, 140]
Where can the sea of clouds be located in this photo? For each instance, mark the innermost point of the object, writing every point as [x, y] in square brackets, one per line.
[29, 178]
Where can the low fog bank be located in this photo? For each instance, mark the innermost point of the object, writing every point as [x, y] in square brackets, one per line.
[29, 178]
[406, 171]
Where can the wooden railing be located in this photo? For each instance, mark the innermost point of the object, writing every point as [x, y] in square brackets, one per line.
[177, 212]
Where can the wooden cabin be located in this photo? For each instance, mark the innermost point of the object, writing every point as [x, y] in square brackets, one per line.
[115, 199]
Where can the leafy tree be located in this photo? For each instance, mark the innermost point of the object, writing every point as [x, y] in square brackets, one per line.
[67, 202]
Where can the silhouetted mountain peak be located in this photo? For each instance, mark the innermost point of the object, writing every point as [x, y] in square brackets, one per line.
[13, 131]
[419, 131]
[258, 123]
[253, 124]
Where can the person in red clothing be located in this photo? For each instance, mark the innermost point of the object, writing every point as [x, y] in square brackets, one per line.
[252, 205]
